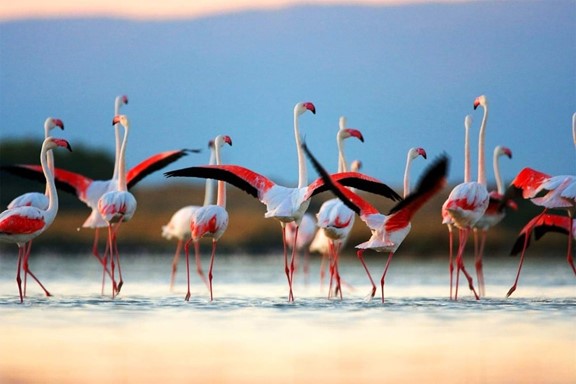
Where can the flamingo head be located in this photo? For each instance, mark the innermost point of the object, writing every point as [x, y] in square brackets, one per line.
[122, 119]
[121, 100]
[415, 152]
[468, 121]
[342, 122]
[355, 165]
[503, 151]
[220, 140]
[53, 122]
[351, 132]
[52, 142]
[300, 108]
[480, 101]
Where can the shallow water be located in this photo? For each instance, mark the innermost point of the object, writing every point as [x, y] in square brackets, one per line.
[251, 333]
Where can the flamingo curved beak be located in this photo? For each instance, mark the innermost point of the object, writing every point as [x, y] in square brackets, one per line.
[309, 106]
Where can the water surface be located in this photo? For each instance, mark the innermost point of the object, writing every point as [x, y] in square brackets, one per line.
[251, 333]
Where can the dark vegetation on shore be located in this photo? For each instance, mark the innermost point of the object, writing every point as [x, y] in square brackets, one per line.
[248, 231]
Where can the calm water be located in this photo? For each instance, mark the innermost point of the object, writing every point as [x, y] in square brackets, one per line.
[250, 333]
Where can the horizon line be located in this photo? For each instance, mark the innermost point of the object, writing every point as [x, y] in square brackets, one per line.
[174, 10]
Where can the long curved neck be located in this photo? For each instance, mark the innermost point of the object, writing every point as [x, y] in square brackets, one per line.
[302, 172]
[49, 154]
[499, 184]
[117, 104]
[209, 187]
[342, 166]
[122, 161]
[221, 199]
[409, 159]
[51, 188]
[481, 160]
[467, 163]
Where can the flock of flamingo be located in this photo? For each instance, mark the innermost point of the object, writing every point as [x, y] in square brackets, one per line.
[469, 206]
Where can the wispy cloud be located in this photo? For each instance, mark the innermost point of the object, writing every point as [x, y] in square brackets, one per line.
[165, 9]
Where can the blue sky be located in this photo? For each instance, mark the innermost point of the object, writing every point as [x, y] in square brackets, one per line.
[404, 75]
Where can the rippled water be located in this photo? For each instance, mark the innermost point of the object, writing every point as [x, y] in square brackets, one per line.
[251, 333]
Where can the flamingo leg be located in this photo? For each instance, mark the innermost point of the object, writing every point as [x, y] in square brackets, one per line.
[28, 248]
[526, 240]
[111, 246]
[360, 256]
[21, 251]
[450, 260]
[569, 256]
[120, 280]
[27, 271]
[384, 273]
[480, 264]
[286, 269]
[330, 266]
[460, 263]
[199, 263]
[294, 255]
[323, 269]
[187, 252]
[211, 266]
[175, 263]
[337, 271]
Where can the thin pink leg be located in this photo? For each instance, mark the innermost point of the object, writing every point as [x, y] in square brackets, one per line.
[450, 260]
[286, 268]
[28, 248]
[462, 238]
[175, 263]
[21, 251]
[199, 263]
[361, 257]
[384, 274]
[187, 252]
[111, 246]
[27, 271]
[211, 266]
[460, 264]
[323, 269]
[569, 256]
[294, 252]
[120, 280]
[331, 263]
[480, 264]
[337, 271]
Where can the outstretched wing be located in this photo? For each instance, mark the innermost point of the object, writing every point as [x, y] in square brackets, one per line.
[355, 180]
[552, 223]
[154, 163]
[65, 181]
[349, 198]
[527, 182]
[242, 178]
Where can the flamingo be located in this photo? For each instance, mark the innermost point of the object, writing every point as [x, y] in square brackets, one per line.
[22, 224]
[179, 224]
[388, 231]
[446, 217]
[334, 218]
[210, 220]
[468, 201]
[117, 206]
[495, 212]
[550, 192]
[285, 204]
[37, 199]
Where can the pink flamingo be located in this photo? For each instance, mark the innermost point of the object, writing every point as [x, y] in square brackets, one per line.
[494, 214]
[388, 231]
[210, 220]
[22, 224]
[550, 192]
[335, 219]
[179, 224]
[37, 199]
[285, 204]
[117, 206]
[446, 217]
[468, 201]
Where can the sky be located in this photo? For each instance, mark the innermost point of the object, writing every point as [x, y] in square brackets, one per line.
[405, 73]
